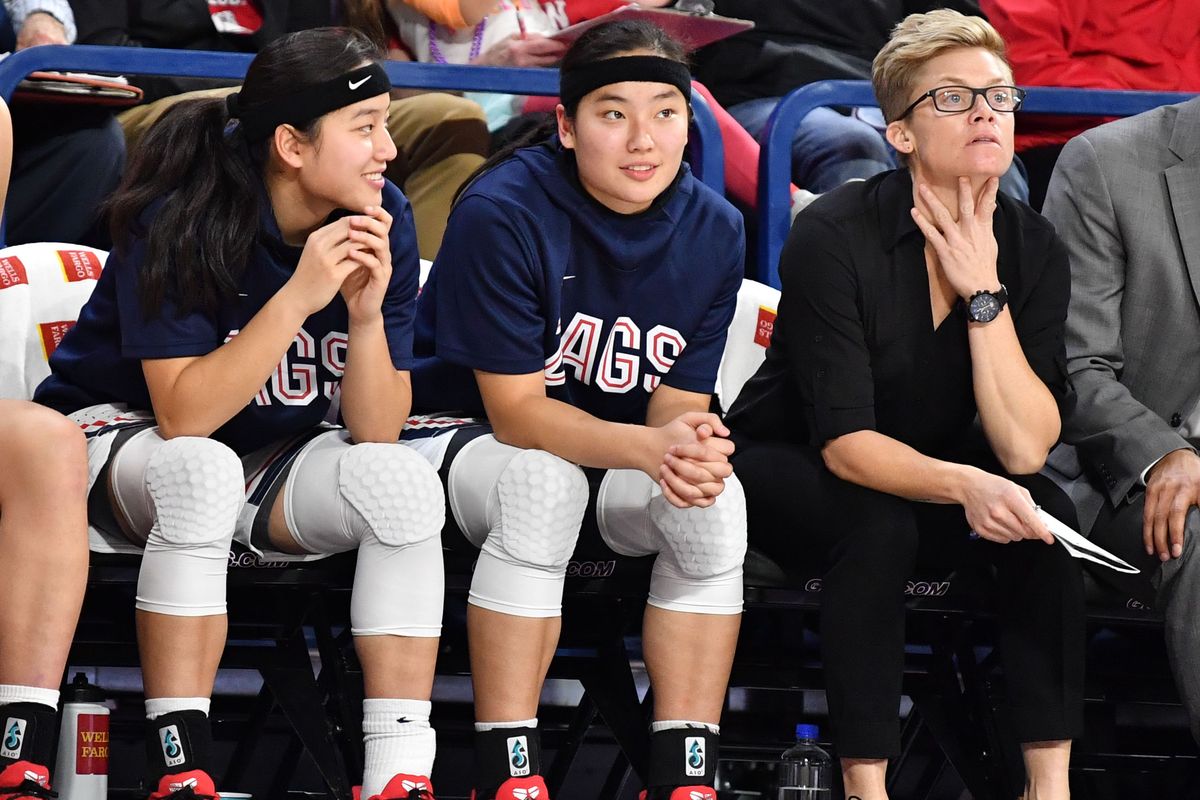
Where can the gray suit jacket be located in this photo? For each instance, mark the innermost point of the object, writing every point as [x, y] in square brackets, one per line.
[1125, 197]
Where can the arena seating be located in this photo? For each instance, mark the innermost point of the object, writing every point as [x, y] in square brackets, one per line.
[706, 154]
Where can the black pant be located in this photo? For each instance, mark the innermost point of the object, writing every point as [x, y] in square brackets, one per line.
[869, 542]
[66, 161]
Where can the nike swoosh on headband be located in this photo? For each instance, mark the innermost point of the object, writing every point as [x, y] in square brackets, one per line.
[354, 85]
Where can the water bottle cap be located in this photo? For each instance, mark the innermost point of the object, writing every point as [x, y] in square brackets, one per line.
[807, 732]
[80, 691]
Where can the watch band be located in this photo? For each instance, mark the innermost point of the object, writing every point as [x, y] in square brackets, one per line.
[1000, 294]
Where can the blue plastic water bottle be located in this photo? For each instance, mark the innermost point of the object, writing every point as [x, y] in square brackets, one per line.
[805, 769]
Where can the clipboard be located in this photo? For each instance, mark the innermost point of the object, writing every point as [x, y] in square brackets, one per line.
[77, 87]
[691, 30]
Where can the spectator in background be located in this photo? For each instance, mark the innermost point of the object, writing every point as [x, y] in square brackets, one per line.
[447, 30]
[37, 22]
[796, 42]
[454, 32]
[1093, 44]
[1125, 197]
[66, 157]
[440, 138]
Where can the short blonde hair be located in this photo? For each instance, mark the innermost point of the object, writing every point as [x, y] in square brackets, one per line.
[915, 40]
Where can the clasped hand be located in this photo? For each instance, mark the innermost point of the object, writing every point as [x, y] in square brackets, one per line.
[695, 460]
[351, 255]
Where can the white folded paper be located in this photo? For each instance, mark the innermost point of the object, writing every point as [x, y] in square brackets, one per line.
[1079, 546]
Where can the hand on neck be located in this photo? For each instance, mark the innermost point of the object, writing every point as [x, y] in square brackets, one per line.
[946, 189]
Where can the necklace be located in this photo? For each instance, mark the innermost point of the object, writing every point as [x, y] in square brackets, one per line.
[435, 50]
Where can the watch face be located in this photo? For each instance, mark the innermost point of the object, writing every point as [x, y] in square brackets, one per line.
[984, 307]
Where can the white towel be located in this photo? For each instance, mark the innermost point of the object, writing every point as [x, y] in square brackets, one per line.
[42, 288]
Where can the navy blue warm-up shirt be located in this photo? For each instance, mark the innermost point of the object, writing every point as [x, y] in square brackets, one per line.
[534, 275]
[99, 361]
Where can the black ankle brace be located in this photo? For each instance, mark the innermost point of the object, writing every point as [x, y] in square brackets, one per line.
[683, 757]
[177, 742]
[28, 733]
[504, 753]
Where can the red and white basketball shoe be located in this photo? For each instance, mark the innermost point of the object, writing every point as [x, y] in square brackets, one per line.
[193, 785]
[24, 779]
[685, 793]
[531, 788]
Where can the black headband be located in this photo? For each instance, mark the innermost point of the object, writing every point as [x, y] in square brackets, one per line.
[576, 82]
[261, 120]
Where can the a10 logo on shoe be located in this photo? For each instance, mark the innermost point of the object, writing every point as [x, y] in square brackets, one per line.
[172, 748]
[694, 762]
[14, 737]
[518, 756]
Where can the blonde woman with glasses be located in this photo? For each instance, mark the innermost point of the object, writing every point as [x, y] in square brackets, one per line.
[914, 304]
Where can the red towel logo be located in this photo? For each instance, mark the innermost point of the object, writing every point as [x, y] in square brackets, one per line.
[52, 335]
[79, 265]
[12, 272]
[765, 327]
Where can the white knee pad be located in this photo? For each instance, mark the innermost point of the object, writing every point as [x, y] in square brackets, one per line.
[700, 550]
[338, 494]
[195, 489]
[526, 506]
[398, 494]
[196, 486]
[387, 501]
[395, 492]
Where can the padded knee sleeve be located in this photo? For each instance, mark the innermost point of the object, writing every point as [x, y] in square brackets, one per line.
[382, 573]
[700, 568]
[339, 495]
[532, 514]
[394, 492]
[397, 494]
[195, 487]
[700, 550]
[386, 500]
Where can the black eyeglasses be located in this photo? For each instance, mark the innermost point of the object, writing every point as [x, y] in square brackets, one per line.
[957, 99]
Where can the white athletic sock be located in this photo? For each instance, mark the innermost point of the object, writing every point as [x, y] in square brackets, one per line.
[157, 706]
[397, 738]
[671, 724]
[480, 727]
[13, 693]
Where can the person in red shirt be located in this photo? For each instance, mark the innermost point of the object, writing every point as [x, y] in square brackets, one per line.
[1092, 44]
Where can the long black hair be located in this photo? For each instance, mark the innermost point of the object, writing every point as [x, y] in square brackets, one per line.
[201, 238]
[598, 43]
